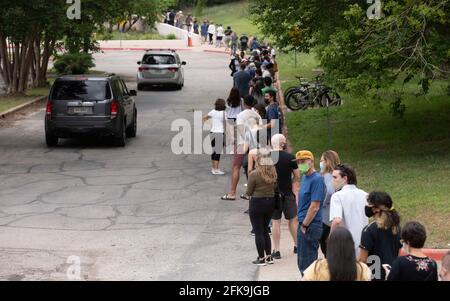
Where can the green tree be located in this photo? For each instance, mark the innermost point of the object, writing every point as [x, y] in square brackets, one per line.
[359, 54]
[31, 32]
[28, 34]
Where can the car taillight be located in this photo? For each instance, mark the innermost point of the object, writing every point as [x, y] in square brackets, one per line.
[114, 109]
[173, 69]
[142, 69]
[49, 108]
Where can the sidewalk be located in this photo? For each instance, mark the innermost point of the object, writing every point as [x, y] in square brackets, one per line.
[286, 268]
[142, 45]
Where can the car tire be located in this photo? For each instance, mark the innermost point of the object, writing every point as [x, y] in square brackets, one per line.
[120, 140]
[179, 87]
[51, 139]
[140, 87]
[132, 129]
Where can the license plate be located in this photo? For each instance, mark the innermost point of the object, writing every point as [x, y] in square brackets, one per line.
[157, 71]
[80, 110]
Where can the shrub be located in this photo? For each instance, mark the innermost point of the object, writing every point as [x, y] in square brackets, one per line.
[171, 36]
[73, 63]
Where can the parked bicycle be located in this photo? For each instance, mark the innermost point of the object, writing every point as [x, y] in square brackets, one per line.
[311, 94]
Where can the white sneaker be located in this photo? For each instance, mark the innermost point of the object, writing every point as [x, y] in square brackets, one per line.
[217, 172]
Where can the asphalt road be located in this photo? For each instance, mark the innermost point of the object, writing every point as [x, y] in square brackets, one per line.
[134, 213]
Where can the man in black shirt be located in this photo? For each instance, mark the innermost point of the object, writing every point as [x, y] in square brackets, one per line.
[288, 173]
[171, 20]
[244, 42]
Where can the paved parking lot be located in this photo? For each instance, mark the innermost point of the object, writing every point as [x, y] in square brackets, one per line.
[134, 213]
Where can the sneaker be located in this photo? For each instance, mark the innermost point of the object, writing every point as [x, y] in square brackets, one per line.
[276, 255]
[252, 233]
[269, 260]
[217, 172]
[260, 262]
[295, 250]
[269, 230]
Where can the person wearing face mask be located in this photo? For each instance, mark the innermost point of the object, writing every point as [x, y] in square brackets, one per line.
[310, 202]
[347, 206]
[328, 161]
[381, 237]
[416, 265]
[274, 115]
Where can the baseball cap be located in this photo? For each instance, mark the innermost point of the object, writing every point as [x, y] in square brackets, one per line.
[304, 154]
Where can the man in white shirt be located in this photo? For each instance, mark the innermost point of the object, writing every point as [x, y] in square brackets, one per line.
[348, 203]
[243, 122]
[266, 73]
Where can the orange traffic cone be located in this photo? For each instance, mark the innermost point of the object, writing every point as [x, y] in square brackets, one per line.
[190, 44]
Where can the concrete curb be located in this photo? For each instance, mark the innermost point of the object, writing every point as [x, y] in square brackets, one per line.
[216, 51]
[143, 49]
[136, 49]
[435, 254]
[22, 106]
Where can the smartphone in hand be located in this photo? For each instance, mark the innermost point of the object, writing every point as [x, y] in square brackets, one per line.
[387, 269]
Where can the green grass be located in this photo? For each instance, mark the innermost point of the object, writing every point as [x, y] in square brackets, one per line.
[304, 67]
[409, 158]
[9, 102]
[234, 14]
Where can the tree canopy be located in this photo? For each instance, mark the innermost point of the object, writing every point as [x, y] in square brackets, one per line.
[30, 31]
[411, 38]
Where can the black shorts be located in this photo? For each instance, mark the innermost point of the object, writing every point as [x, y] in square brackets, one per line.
[288, 207]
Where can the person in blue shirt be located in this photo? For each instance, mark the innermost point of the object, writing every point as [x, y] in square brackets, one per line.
[274, 116]
[310, 202]
[204, 31]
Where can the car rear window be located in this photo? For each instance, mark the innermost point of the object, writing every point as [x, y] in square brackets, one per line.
[81, 90]
[158, 59]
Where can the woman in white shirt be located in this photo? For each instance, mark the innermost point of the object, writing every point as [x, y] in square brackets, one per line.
[219, 37]
[211, 32]
[217, 134]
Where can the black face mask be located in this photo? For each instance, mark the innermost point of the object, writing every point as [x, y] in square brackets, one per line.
[369, 212]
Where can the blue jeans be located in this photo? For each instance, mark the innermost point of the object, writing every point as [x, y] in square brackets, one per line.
[308, 245]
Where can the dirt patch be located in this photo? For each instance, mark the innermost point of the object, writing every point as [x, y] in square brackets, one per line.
[21, 114]
[436, 224]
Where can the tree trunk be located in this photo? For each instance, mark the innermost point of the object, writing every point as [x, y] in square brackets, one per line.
[16, 59]
[41, 57]
[5, 63]
[132, 22]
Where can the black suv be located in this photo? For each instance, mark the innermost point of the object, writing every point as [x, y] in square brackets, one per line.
[81, 105]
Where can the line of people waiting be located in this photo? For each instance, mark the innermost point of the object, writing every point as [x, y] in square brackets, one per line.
[359, 233]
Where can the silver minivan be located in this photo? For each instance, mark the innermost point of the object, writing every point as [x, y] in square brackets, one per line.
[160, 67]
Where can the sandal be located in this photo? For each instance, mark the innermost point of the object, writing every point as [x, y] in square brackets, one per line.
[245, 197]
[227, 198]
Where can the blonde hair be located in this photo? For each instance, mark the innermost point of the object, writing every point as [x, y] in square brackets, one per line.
[265, 166]
[333, 160]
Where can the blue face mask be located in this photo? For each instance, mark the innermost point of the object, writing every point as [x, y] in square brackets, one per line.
[322, 167]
